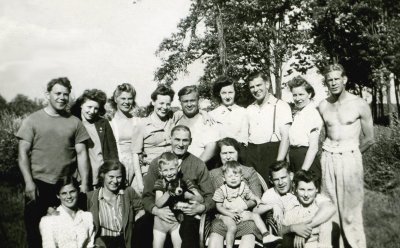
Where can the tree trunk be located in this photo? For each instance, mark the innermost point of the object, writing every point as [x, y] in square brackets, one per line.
[221, 40]
[397, 92]
[374, 104]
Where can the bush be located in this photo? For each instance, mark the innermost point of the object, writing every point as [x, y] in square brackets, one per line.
[382, 161]
[9, 123]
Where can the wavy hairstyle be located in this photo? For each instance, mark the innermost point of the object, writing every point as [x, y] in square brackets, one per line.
[125, 87]
[94, 95]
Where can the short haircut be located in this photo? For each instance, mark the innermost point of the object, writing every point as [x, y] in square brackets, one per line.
[64, 181]
[232, 165]
[166, 158]
[64, 81]
[334, 67]
[277, 166]
[110, 165]
[299, 81]
[125, 87]
[181, 128]
[188, 90]
[94, 95]
[306, 176]
[257, 74]
[163, 90]
[221, 82]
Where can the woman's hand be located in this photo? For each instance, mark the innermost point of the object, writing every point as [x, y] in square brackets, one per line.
[139, 214]
[299, 242]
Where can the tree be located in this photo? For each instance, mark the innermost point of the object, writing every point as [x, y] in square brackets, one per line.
[3, 104]
[233, 38]
[22, 105]
[361, 35]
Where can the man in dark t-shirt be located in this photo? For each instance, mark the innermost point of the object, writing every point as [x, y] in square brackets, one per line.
[51, 146]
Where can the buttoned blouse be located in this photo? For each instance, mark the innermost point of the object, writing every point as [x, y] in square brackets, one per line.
[152, 136]
[231, 122]
[305, 122]
[261, 120]
[110, 216]
[63, 231]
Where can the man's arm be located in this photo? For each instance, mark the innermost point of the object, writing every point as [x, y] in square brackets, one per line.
[367, 127]
[208, 152]
[284, 144]
[24, 164]
[83, 165]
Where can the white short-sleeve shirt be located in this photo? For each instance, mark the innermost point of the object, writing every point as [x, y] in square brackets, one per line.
[202, 134]
[231, 122]
[261, 120]
[305, 121]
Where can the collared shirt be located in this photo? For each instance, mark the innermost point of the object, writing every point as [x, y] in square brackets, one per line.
[285, 202]
[152, 136]
[261, 120]
[305, 122]
[202, 134]
[231, 122]
[66, 232]
[110, 215]
[94, 149]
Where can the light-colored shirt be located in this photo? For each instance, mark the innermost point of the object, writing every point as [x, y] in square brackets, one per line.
[202, 134]
[285, 202]
[64, 232]
[123, 128]
[261, 120]
[231, 122]
[152, 137]
[110, 215]
[305, 122]
[94, 149]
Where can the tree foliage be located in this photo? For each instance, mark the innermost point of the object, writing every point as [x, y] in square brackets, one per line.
[22, 105]
[233, 38]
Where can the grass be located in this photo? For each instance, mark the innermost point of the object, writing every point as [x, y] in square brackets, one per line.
[381, 218]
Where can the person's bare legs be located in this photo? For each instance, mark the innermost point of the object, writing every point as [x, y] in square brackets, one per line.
[215, 241]
[176, 238]
[231, 230]
[158, 239]
[247, 241]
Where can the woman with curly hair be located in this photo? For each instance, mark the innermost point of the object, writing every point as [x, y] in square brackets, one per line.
[89, 107]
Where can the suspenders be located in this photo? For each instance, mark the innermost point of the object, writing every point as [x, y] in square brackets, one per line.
[273, 123]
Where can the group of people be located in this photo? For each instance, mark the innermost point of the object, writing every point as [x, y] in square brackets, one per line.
[144, 179]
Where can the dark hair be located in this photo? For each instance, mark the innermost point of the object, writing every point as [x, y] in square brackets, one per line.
[188, 90]
[125, 87]
[94, 95]
[334, 67]
[161, 90]
[64, 81]
[306, 176]
[299, 81]
[277, 166]
[167, 157]
[228, 142]
[181, 127]
[110, 165]
[257, 74]
[232, 165]
[221, 82]
[64, 181]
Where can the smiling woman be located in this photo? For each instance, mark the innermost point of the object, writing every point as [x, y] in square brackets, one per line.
[72, 227]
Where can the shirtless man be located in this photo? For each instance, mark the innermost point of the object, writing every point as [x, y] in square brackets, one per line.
[345, 116]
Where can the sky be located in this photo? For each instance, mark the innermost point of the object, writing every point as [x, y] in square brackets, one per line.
[95, 43]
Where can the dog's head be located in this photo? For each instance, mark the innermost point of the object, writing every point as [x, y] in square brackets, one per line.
[176, 186]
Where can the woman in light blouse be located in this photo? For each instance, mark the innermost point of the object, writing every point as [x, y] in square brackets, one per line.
[305, 129]
[71, 227]
[123, 123]
[89, 107]
[114, 207]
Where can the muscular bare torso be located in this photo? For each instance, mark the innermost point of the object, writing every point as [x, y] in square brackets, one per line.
[342, 118]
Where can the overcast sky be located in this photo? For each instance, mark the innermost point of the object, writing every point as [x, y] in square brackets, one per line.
[95, 43]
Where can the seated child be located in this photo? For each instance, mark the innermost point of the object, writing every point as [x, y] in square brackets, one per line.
[230, 201]
[172, 191]
[306, 189]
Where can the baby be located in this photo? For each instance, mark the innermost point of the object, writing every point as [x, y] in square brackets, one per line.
[230, 201]
[172, 191]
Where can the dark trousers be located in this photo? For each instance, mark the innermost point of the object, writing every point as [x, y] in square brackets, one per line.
[261, 156]
[189, 232]
[297, 156]
[35, 210]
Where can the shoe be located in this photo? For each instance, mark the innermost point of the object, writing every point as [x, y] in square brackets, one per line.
[270, 238]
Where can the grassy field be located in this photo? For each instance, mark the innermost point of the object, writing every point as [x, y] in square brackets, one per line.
[381, 215]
